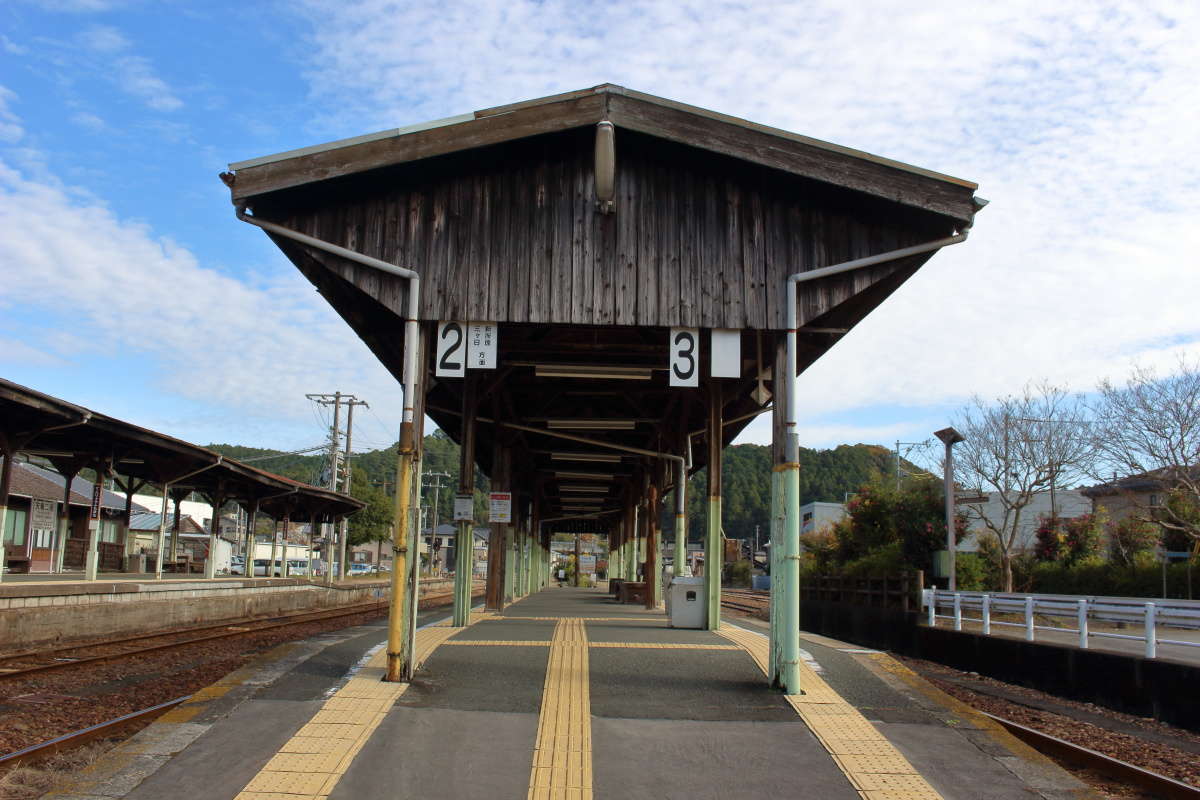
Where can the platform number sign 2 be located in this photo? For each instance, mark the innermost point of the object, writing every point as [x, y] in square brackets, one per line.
[451, 350]
[463, 345]
[685, 357]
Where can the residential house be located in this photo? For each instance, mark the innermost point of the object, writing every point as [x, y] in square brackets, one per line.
[30, 528]
[1066, 504]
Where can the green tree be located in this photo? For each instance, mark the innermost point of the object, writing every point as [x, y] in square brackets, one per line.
[372, 523]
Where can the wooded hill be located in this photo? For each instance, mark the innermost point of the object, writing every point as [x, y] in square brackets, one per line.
[825, 476]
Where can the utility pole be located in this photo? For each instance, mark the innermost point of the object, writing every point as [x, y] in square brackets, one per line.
[336, 400]
[437, 486]
[909, 445]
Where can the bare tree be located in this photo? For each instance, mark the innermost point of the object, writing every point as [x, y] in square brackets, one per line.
[1149, 428]
[1016, 448]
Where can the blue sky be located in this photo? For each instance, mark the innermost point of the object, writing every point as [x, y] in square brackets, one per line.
[129, 286]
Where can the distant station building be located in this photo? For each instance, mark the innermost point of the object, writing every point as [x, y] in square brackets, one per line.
[32, 519]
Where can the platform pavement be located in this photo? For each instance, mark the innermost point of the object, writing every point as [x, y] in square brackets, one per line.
[567, 694]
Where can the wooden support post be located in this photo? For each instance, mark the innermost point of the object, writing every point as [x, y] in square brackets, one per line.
[91, 566]
[6, 472]
[251, 522]
[64, 523]
[219, 498]
[498, 567]
[178, 496]
[464, 546]
[653, 578]
[714, 555]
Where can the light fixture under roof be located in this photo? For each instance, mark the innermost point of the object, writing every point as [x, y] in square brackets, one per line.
[600, 489]
[593, 371]
[591, 424]
[606, 458]
[584, 476]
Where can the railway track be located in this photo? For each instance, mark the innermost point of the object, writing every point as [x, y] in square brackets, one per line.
[1124, 772]
[23, 665]
[748, 601]
[30, 663]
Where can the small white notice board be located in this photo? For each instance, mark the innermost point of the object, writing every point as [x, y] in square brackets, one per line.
[500, 507]
[464, 508]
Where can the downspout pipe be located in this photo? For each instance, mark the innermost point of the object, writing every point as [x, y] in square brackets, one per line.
[398, 667]
[786, 641]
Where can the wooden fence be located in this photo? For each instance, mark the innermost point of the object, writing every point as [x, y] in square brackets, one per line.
[887, 591]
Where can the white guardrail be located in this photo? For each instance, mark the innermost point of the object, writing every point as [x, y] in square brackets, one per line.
[1150, 615]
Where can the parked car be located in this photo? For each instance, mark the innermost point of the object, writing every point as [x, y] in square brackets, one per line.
[359, 568]
[237, 565]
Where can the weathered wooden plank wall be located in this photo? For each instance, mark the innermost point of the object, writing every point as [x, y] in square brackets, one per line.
[511, 234]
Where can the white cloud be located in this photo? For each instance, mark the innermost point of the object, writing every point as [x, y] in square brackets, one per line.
[1078, 120]
[104, 39]
[11, 129]
[77, 6]
[134, 74]
[86, 119]
[13, 351]
[243, 346]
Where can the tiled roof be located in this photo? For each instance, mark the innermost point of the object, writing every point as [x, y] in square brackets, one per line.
[29, 480]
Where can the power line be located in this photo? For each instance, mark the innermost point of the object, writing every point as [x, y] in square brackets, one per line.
[281, 455]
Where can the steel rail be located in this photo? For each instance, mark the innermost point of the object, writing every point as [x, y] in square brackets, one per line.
[78, 737]
[291, 619]
[58, 651]
[299, 620]
[1114, 768]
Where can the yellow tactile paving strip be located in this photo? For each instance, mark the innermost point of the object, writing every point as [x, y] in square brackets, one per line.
[562, 755]
[655, 618]
[634, 645]
[665, 646]
[311, 763]
[874, 767]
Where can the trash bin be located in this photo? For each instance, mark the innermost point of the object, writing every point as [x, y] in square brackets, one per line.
[688, 605]
[760, 582]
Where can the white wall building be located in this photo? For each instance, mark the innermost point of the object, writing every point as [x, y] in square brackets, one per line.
[1068, 503]
[815, 516]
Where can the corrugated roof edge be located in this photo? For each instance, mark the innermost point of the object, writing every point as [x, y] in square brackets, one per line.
[605, 88]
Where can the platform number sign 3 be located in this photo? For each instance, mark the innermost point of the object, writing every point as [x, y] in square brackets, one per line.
[685, 357]
[451, 350]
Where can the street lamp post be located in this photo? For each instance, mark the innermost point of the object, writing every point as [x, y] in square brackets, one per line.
[950, 437]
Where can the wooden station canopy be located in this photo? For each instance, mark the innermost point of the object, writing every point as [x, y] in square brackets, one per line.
[73, 438]
[569, 306]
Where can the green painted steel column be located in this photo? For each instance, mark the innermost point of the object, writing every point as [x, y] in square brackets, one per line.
[713, 551]
[681, 562]
[785, 581]
[776, 536]
[712, 563]
[788, 675]
[509, 563]
[462, 574]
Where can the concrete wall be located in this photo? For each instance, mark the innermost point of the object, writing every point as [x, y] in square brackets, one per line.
[1164, 690]
[39, 615]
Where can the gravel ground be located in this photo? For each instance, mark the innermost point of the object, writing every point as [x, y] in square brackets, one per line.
[1145, 743]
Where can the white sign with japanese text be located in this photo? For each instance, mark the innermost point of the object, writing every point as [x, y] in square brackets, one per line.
[500, 507]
